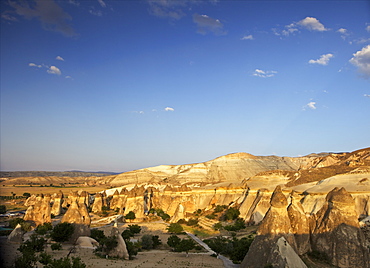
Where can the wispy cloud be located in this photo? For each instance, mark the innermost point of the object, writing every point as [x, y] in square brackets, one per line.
[169, 109]
[247, 37]
[52, 16]
[323, 60]
[54, 70]
[102, 3]
[361, 59]
[59, 58]
[311, 105]
[167, 9]
[34, 65]
[368, 28]
[264, 74]
[207, 24]
[343, 33]
[367, 95]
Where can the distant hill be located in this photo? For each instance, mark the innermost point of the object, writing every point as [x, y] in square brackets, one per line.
[71, 174]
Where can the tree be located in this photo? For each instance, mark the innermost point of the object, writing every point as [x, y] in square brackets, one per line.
[185, 245]
[130, 216]
[2, 209]
[26, 195]
[147, 241]
[175, 228]
[44, 228]
[98, 235]
[231, 214]
[62, 232]
[156, 241]
[135, 229]
[173, 240]
[126, 234]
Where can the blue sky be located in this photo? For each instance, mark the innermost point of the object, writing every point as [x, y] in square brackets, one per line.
[121, 85]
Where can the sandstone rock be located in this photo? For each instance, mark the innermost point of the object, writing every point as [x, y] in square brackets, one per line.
[16, 236]
[86, 242]
[337, 232]
[40, 212]
[78, 215]
[121, 250]
[299, 223]
[98, 203]
[56, 209]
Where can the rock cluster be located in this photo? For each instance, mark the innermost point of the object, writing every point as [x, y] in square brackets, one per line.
[286, 232]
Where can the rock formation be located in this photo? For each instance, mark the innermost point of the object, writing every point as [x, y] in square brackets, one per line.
[78, 215]
[274, 243]
[56, 209]
[337, 232]
[16, 236]
[121, 250]
[40, 211]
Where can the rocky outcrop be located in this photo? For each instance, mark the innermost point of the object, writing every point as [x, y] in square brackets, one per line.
[121, 250]
[78, 215]
[274, 243]
[56, 208]
[16, 236]
[337, 232]
[40, 211]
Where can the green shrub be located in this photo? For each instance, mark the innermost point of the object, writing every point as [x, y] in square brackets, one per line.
[130, 216]
[192, 222]
[56, 246]
[127, 234]
[2, 209]
[14, 222]
[62, 232]
[156, 241]
[147, 241]
[135, 229]
[173, 240]
[98, 235]
[175, 228]
[44, 228]
[219, 208]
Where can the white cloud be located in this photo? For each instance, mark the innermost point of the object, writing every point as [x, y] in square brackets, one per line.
[311, 105]
[34, 65]
[101, 2]
[59, 58]
[312, 24]
[264, 74]
[207, 24]
[169, 109]
[247, 37]
[308, 23]
[323, 60]
[361, 59]
[69, 77]
[367, 95]
[342, 31]
[54, 70]
[52, 16]
[368, 28]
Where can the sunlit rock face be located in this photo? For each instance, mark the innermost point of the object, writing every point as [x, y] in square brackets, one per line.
[300, 223]
[40, 211]
[275, 243]
[337, 232]
[57, 201]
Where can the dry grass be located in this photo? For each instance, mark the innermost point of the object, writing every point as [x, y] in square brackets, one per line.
[20, 189]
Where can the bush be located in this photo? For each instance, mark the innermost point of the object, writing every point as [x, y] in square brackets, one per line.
[219, 208]
[231, 214]
[108, 243]
[132, 248]
[130, 216]
[34, 244]
[147, 242]
[173, 240]
[156, 241]
[44, 228]
[135, 229]
[2, 209]
[56, 246]
[62, 232]
[126, 234]
[26, 195]
[192, 222]
[14, 222]
[218, 226]
[175, 228]
[98, 235]
[162, 214]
